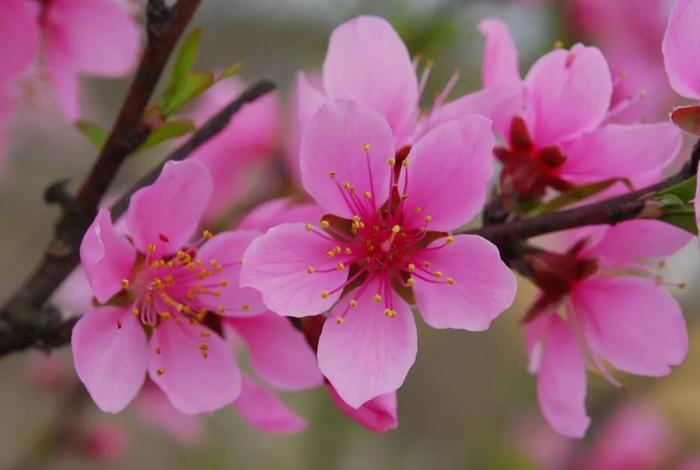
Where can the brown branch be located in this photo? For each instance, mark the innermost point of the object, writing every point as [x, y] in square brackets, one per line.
[23, 321]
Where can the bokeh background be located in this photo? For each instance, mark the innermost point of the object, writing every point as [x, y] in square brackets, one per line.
[467, 403]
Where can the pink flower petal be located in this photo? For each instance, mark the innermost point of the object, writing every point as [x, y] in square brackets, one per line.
[277, 262]
[369, 354]
[280, 211]
[193, 366]
[62, 73]
[154, 407]
[681, 48]
[334, 143]
[279, 352]
[99, 35]
[368, 62]
[500, 54]
[638, 240]
[483, 285]
[263, 409]
[106, 256]
[376, 415]
[19, 37]
[447, 173]
[561, 381]
[227, 249]
[499, 103]
[621, 151]
[632, 323]
[167, 212]
[569, 94]
[110, 353]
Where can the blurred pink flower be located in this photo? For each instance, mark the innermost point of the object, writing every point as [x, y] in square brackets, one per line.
[629, 37]
[385, 238]
[635, 437]
[46, 371]
[166, 288]
[105, 442]
[80, 37]
[154, 407]
[591, 312]
[234, 154]
[561, 138]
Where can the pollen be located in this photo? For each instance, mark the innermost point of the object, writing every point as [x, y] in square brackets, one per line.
[411, 267]
[368, 195]
[410, 282]
[558, 44]
[126, 283]
[151, 248]
[426, 264]
[449, 239]
[223, 283]
[220, 309]
[308, 227]
[310, 269]
[160, 371]
[245, 307]
[331, 174]
[339, 320]
[404, 163]
[207, 235]
[438, 274]
[391, 313]
[330, 254]
[340, 266]
[336, 249]
[365, 147]
[353, 303]
[136, 311]
[346, 185]
[392, 162]
[324, 294]
[450, 281]
[395, 229]
[347, 250]
[377, 298]
[428, 218]
[418, 209]
[325, 224]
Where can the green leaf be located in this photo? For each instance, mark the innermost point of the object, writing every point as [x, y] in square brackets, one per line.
[232, 70]
[185, 58]
[168, 130]
[575, 195]
[685, 190]
[682, 217]
[94, 132]
[189, 88]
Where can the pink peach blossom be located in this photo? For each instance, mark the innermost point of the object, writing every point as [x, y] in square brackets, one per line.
[80, 37]
[105, 442]
[161, 293]
[383, 241]
[561, 137]
[589, 315]
[376, 415]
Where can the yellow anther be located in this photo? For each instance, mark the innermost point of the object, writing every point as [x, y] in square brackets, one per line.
[353, 303]
[392, 162]
[151, 248]
[377, 298]
[216, 293]
[325, 224]
[220, 309]
[450, 281]
[368, 195]
[390, 312]
[405, 163]
[558, 44]
[200, 263]
[410, 282]
[165, 315]
[426, 264]
[331, 174]
[308, 227]
[438, 274]
[356, 218]
[365, 147]
[347, 250]
[417, 209]
[449, 239]
[169, 280]
[180, 254]
[136, 311]
[340, 266]
[642, 93]
[428, 218]
[395, 229]
[339, 320]
[207, 235]
[245, 307]
[324, 294]
[214, 262]
[160, 371]
[126, 283]
[223, 283]
[346, 185]
[623, 74]
[310, 269]
[336, 249]
[411, 267]
[204, 334]
[204, 346]
[330, 254]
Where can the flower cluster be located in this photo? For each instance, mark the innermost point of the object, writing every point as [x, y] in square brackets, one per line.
[390, 188]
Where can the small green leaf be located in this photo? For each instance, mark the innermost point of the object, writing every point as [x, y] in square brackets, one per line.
[94, 132]
[185, 58]
[232, 70]
[682, 217]
[685, 190]
[189, 88]
[168, 130]
[575, 195]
